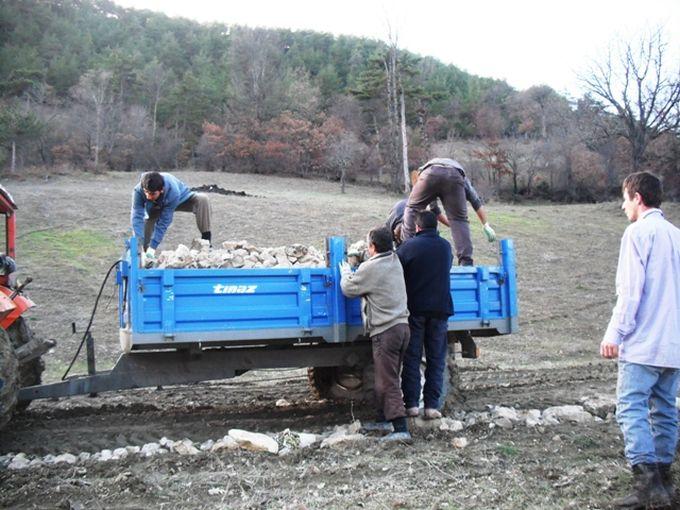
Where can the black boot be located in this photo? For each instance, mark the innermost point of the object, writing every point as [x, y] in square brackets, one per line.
[207, 236]
[667, 479]
[648, 491]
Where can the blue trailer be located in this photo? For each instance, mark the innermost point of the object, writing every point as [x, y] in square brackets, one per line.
[181, 326]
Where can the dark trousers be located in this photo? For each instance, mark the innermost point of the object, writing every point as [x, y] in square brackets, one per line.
[429, 333]
[389, 348]
[197, 203]
[448, 185]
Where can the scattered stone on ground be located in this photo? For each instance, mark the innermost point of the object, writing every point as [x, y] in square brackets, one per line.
[287, 441]
[254, 441]
[601, 406]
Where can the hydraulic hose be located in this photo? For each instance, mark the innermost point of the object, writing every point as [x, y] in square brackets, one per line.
[89, 324]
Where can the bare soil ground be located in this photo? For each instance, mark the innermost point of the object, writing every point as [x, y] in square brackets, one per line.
[72, 228]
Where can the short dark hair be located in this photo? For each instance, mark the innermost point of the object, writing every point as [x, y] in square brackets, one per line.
[426, 219]
[381, 238]
[152, 181]
[647, 185]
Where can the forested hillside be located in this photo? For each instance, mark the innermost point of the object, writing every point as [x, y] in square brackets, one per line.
[88, 84]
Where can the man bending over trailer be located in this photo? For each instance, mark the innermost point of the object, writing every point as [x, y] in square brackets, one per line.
[154, 202]
[445, 179]
[380, 283]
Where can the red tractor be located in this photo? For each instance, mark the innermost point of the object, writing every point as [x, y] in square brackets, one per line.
[20, 351]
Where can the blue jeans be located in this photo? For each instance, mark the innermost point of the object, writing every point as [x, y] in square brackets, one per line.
[429, 333]
[646, 412]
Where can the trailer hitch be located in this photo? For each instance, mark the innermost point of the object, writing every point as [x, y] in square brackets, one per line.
[20, 287]
[33, 349]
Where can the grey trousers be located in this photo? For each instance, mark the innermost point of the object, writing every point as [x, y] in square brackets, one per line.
[197, 203]
[389, 348]
[447, 185]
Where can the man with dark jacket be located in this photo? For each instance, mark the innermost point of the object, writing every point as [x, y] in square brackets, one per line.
[426, 259]
[154, 202]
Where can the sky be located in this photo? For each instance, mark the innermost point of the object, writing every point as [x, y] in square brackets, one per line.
[524, 42]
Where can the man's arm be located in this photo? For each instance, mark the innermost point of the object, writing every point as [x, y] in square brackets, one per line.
[472, 196]
[481, 214]
[355, 284]
[164, 221]
[137, 213]
[630, 282]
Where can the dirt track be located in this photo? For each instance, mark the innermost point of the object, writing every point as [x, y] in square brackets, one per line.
[566, 263]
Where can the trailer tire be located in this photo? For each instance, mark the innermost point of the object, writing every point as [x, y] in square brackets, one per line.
[452, 395]
[30, 373]
[343, 383]
[9, 378]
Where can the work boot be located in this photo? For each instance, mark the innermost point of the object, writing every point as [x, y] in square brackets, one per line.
[207, 236]
[377, 426]
[397, 437]
[431, 414]
[648, 491]
[667, 479]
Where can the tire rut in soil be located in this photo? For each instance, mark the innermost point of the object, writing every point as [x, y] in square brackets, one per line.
[536, 388]
[208, 411]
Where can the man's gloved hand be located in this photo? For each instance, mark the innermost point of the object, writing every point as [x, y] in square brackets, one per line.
[149, 257]
[489, 232]
[345, 268]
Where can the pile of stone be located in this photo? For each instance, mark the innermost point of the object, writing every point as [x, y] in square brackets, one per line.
[240, 254]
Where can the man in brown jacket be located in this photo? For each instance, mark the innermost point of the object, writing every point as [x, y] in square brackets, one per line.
[380, 283]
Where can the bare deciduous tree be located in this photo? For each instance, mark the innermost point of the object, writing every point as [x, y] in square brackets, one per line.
[94, 90]
[155, 79]
[642, 87]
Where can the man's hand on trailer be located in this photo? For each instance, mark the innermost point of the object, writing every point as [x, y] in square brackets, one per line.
[345, 268]
[149, 257]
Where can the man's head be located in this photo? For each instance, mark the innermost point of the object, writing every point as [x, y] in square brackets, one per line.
[152, 185]
[641, 191]
[379, 240]
[425, 219]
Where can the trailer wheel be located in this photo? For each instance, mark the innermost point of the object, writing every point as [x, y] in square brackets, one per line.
[9, 378]
[452, 395]
[343, 383]
[30, 373]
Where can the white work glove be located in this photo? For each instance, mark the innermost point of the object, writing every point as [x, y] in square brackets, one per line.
[489, 232]
[149, 257]
[345, 268]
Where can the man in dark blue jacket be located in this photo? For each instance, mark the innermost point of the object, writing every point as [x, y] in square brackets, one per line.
[154, 202]
[426, 259]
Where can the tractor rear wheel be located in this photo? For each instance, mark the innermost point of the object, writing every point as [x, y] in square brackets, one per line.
[343, 383]
[30, 373]
[9, 378]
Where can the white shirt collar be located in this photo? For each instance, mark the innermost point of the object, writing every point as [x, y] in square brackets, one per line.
[650, 211]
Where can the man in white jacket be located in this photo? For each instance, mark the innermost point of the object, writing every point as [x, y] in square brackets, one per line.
[644, 334]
